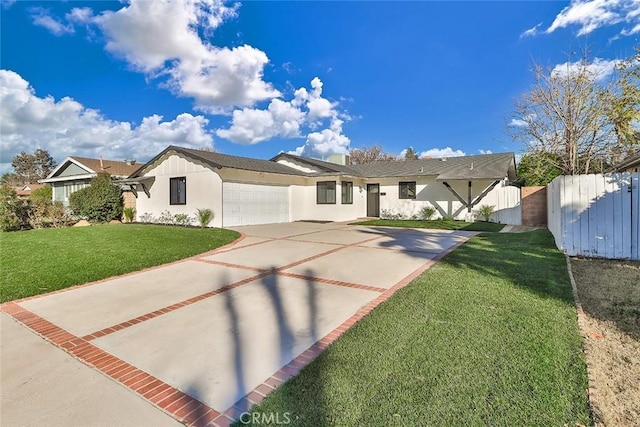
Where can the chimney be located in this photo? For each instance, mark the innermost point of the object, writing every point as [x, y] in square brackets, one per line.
[130, 162]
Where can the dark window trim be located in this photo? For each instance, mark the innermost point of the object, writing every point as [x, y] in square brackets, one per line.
[408, 184]
[176, 200]
[350, 192]
[323, 184]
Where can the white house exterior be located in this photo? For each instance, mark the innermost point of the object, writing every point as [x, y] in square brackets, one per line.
[243, 191]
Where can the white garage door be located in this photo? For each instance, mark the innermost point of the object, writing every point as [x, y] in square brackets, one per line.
[246, 204]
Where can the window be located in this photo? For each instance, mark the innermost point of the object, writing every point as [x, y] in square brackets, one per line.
[407, 190]
[178, 191]
[347, 193]
[326, 192]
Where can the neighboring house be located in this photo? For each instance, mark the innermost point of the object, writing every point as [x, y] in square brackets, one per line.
[631, 164]
[24, 191]
[243, 191]
[74, 173]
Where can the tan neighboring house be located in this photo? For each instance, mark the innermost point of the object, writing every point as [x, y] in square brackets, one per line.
[631, 164]
[74, 173]
[24, 191]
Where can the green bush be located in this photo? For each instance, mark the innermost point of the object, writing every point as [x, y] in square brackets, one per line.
[427, 213]
[100, 202]
[13, 211]
[129, 214]
[485, 211]
[205, 216]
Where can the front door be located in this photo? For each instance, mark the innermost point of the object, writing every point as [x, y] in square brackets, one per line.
[373, 200]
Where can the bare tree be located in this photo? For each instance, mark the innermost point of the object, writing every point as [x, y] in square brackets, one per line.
[563, 115]
[374, 153]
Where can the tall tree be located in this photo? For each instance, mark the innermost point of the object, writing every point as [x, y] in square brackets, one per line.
[563, 115]
[374, 153]
[29, 168]
[410, 154]
[621, 105]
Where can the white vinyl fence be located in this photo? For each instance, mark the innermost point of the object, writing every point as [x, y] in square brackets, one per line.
[508, 205]
[596, 215]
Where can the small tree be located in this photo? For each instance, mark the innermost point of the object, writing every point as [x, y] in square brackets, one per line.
[410, 154]
[100, 202]
[538, 168]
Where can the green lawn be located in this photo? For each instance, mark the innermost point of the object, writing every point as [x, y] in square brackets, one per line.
[488, 336]
[39, 261]
[445, 224]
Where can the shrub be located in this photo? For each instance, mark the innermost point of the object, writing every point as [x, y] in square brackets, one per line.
[100, 202]
[129, 214]
[165, 218]
[485, 211]
[147, 217]
[427, 213]
[181, 219]
[13, 211]
[205, 216]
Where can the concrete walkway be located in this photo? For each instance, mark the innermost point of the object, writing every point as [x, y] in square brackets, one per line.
[201, 340]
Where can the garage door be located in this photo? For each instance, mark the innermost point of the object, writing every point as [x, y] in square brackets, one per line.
[246, 204]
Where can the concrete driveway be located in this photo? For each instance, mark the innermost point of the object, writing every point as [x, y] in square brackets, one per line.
[201, 340]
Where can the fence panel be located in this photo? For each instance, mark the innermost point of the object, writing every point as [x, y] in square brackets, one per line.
[596, 215]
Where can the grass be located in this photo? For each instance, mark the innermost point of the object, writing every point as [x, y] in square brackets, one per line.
[438, 224]
[40, 261]
[487, 336]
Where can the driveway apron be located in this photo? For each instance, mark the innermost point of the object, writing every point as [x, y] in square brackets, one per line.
[204, 339]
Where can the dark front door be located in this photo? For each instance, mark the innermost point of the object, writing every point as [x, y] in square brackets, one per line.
[373, 200]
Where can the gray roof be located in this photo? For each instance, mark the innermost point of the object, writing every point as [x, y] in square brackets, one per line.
[321, 164]
[218, 160]
[627, 163]
[484, 166]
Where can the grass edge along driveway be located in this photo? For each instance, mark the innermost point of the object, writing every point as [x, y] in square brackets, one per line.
[438, 224]
[487, 336]
[39, 261]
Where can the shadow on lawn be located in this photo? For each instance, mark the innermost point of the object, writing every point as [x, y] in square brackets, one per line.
[529, 260]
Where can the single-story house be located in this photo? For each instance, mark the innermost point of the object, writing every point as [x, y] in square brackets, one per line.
[631, 164]
[74, 173]
[24, 191]
[244, 191]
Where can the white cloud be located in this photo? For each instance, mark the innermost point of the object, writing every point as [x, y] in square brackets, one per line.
[519, 123]
[325, 142]
[531, 31]
[65, 127]
[589, 15]
[168, 39]
[485, 151]
[250, 126]
[599, 69]
[442, 152]
[42, 18]
[288, 119]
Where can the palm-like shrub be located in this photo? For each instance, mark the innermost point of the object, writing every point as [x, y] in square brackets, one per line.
[427, 213]
[205, 216]
[485, 211]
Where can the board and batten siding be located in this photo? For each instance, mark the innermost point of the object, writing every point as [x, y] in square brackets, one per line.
[204, 187]
[596, 215]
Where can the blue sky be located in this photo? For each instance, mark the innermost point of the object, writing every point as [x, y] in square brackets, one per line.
[126, 79]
